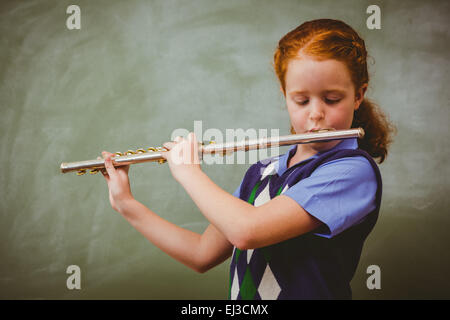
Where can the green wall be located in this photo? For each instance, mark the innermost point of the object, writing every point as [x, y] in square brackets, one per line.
[137, 70]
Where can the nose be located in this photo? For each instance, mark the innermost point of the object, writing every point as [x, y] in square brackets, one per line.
[317, 111]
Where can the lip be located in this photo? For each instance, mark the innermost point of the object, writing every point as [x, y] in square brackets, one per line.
[317, 129]
[314, 129]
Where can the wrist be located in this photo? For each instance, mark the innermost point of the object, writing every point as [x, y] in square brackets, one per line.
[123, 205]
[189, 175]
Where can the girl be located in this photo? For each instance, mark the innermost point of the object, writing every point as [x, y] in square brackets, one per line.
[296, 225]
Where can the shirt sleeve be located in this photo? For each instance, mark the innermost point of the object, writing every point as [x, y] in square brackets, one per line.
[340, 193]
[237, 192]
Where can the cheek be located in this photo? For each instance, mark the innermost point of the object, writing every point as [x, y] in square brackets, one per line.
[296, 113]
[341, 115]
[298, 119]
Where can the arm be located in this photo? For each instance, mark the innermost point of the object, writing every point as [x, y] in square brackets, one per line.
[198, 252]
[241, 223]
[337, 195]
[244, 225]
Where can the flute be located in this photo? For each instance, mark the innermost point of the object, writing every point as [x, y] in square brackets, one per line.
[154, 154]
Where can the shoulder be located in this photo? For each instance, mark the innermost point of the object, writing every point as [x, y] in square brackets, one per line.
[339, 192]
[345, 176]
[357, 166]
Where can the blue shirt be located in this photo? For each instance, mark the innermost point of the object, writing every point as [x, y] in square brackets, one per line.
[340, 193]
[341, 187]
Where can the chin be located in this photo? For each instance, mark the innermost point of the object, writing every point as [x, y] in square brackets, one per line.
[323, 146]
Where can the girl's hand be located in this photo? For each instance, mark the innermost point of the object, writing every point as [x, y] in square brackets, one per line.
[118, 183]
[183, 157]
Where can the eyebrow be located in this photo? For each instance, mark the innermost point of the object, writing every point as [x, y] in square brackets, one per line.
[325, 91]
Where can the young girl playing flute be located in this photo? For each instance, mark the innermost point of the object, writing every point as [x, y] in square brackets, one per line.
[296, 225]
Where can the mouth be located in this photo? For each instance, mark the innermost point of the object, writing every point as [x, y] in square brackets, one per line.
[320, 130]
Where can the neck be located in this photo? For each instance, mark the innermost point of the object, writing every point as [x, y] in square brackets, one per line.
[300, 155]
[305, 151]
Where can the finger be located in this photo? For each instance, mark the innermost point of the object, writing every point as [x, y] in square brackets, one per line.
[108, 164]
[189, 154]
[103, 171]
[194, 148]
[192, 137]
[168, 145]
[108, 154]
[105, 174]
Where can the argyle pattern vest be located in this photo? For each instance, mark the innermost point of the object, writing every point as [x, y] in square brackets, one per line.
[306, 267]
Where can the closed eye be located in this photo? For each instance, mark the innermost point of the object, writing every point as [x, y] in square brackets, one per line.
[329, 101]
[302, 103]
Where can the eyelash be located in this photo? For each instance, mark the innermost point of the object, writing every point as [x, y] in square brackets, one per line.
[329, 101]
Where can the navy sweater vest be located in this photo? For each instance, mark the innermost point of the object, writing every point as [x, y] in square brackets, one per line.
[308, 266]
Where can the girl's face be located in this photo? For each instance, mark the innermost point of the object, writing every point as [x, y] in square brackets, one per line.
[320, 95]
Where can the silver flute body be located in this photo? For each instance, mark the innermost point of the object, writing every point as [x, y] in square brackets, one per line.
[220, 148]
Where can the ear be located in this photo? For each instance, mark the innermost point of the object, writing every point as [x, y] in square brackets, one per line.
[359, 95]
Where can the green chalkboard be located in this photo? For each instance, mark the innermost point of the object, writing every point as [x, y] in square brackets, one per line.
[137, 70]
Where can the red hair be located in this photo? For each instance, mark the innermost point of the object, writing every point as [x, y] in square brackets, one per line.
[334, 39]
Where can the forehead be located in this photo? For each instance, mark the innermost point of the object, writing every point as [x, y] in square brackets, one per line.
[307, 74]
